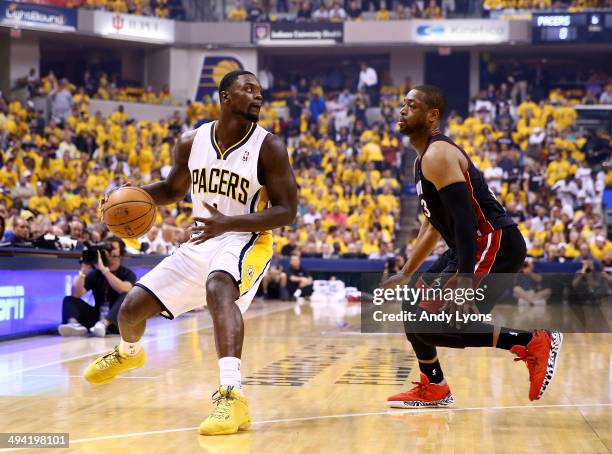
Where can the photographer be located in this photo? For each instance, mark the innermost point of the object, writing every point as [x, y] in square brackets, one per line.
[299, 281]
[2, 227]
[109, 282]
[589, 287]
[529, 288]
[274, 283]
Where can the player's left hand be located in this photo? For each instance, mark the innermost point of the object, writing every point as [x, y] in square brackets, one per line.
[398, 279]
[214, 225]
[100, 266]
[458, 310]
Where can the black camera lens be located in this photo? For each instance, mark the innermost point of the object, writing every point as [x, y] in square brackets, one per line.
[90, 253]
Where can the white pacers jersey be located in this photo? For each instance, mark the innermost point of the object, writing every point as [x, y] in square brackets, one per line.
[226, 180]
[229, 182]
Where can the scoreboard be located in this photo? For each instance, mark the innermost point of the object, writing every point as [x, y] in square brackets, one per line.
[591, 27]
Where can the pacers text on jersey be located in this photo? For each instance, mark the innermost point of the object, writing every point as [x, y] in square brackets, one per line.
[220, 181]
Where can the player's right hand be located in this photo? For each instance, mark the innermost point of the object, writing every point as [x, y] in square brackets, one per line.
[214, 225]
[395, 280]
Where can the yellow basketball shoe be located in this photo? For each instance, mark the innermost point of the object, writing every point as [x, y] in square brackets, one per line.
[108, 366]
[230, 415]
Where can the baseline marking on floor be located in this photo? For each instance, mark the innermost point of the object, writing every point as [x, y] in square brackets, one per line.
[411, 412]
[81, 377]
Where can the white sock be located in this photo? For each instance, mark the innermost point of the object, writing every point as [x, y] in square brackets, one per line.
[229, 370]
[130, 348]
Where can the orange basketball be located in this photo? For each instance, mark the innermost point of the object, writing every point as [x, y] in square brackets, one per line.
[129, 212]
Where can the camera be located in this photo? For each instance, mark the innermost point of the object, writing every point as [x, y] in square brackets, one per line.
[90, 253]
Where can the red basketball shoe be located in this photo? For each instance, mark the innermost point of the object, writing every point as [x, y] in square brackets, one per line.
[540, 355]
[424, 394]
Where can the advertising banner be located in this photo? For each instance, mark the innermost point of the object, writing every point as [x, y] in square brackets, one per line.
[133, 28]
[31, 300]
[460, 31]
[298, 33]
[43, 17]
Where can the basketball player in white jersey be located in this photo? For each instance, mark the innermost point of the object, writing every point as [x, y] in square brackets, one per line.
[242, 186]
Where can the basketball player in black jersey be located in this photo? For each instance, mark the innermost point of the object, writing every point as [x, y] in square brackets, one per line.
[481, 238]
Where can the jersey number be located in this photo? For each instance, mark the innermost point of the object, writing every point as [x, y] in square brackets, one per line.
[425, 209]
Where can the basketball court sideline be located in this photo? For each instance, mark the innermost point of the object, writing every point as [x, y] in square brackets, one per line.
[313, 385]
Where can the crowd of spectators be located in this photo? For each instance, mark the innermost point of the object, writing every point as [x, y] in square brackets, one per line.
[54, 172]
[548, 174]
[381, 10]
[577, 86]
[63, 94]
[572, 6]
[342, 10]
[338, 10]
[164, 9]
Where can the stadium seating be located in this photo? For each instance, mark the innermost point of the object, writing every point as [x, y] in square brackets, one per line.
[350, 179]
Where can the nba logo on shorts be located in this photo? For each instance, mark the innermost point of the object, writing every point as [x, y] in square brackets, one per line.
[250, 273]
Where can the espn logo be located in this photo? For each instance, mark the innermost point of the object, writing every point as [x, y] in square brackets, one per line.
[12, 302]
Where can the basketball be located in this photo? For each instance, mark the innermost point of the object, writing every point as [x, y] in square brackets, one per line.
[129, 212]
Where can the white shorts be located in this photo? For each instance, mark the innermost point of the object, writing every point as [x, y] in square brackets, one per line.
[178, 282]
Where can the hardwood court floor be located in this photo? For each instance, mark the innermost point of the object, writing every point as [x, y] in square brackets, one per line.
[314, 385]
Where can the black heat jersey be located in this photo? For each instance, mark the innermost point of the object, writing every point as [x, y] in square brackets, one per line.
[490, 214]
